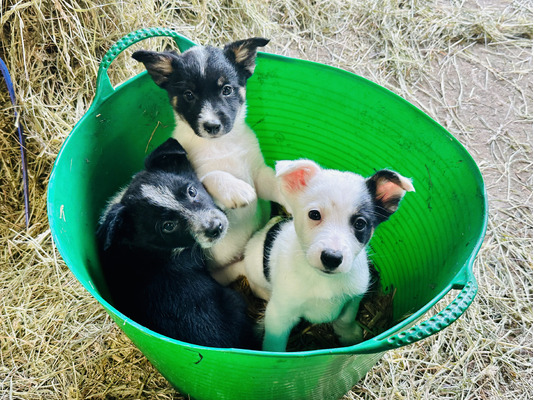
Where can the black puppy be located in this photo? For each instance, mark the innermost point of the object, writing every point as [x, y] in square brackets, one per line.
[150, 240]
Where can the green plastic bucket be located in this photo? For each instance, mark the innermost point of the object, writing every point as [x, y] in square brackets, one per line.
[298, 109]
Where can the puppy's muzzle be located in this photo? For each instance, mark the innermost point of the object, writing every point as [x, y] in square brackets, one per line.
[214, 229]
[212, 127]
[211, 228]
[331, 259]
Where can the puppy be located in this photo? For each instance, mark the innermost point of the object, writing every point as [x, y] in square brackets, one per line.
[314, 266]
[150, 239]
[206, 88]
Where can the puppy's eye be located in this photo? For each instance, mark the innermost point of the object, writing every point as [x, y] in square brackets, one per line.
[189, 96]
[360, 224]
[227, 90]
[169, 226]
[315, 215]
[192, 191]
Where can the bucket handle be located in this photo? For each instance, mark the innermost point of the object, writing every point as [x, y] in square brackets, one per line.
[103, 85]
[434, 324]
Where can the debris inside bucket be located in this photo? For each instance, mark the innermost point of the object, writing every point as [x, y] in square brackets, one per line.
[375, 316]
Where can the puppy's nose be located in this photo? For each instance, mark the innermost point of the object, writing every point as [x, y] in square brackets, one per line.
[215, 229]
[331, 259]
[212, 127]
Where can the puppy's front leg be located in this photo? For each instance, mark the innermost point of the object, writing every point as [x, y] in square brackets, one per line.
[346, 327]
[267, 186]
[229, 273]
[228, 190]
[278, 325]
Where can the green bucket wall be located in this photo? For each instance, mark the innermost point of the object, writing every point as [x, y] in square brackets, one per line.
[298, 109]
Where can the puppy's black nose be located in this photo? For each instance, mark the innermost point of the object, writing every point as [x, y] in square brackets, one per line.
[331, 259]
[212, 127]
[214, 230]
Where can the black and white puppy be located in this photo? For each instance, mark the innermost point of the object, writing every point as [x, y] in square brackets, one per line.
[150, 239]
[314, 266]
[207, 88]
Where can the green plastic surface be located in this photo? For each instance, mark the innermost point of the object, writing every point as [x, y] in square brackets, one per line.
[297, 109]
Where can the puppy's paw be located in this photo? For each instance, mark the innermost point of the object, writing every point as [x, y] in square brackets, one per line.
[349, 334]
[238, 194]
[227, 190]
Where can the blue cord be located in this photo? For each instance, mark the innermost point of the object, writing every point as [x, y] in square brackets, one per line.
[22, 141]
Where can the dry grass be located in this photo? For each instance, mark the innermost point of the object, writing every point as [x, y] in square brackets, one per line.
[468, 64]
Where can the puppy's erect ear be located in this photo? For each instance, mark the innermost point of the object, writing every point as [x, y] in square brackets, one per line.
[243, 53]
[169, 156]
[388, 188]
[110, 225]
[294, 176]
[160, 66]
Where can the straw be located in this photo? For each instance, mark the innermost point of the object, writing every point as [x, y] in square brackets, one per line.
[468, 64]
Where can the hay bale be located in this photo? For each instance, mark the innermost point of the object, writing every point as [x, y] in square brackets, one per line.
[469, 66]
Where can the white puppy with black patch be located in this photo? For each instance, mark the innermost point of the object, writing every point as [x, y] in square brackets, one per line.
[207, 88]
[314, 266]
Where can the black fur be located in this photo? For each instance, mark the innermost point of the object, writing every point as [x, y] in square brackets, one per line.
[205, 77]
[158, 277]
[374, 210]
[383, 209]
[271, 235]
[364, 221]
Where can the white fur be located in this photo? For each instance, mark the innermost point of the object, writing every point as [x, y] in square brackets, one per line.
[233, 170]
[202, 58]
[207, 114]
[298, 286]
[163, 197]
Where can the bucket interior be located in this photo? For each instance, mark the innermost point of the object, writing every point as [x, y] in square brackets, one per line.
[298, 109]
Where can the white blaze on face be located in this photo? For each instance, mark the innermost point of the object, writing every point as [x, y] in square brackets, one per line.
[201, 56]
[208, 115]
[198, 221]
[162, 196]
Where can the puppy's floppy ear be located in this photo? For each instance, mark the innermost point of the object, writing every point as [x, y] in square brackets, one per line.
[387, 188]
[243, 53]
[110, 225]
[160, 66]
[294, 176]
[169, 156]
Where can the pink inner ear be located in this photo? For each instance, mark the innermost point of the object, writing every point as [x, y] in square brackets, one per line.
[297, 180]
[387, 190]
